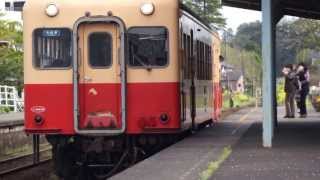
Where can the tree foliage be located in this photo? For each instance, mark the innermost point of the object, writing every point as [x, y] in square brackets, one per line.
[297, 40]
[208, 10]
[11, 55]
[243, 51]
[248, 37]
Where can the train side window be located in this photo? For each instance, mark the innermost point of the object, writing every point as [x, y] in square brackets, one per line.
[148, 46]
[198, 60]
[100, 48]
[202, 61]
[52, 48]
[205, 62]
[188, 53]
[185, 64]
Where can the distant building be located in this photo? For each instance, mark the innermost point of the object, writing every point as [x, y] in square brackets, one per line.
[12, 9]
[232, 78]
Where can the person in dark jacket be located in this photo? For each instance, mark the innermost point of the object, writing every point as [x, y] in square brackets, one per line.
[304, 78]
[290, 88]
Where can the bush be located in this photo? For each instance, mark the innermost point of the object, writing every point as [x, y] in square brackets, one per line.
[238, 100]
[280, 93]
[4, 110]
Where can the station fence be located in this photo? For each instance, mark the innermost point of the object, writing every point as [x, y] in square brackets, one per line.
[10, 99]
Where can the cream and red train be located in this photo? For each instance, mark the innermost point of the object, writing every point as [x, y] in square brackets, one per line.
[109, 78]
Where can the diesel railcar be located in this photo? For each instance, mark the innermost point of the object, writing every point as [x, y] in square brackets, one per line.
[107, 80]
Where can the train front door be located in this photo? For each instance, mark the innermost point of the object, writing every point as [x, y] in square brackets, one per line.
[100, 83]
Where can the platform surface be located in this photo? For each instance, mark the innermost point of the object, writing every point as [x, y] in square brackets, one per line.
[186, 159]
[11, 119]
[295, 154]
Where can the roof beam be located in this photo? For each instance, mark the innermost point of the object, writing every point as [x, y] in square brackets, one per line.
[245, 4]
[305, 9]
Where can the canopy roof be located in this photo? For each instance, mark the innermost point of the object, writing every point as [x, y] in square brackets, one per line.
[300, 8]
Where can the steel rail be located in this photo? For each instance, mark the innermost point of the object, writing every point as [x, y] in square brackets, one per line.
[22, 168]
[9, 160]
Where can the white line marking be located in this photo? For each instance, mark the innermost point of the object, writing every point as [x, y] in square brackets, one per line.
[242, 119]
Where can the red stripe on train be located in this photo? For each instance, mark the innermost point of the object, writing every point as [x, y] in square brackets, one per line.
[145, 104]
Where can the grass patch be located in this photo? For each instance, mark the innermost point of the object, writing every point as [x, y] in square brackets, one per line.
[23, 150]
[213, 166]
[18, 150]
[239, 100]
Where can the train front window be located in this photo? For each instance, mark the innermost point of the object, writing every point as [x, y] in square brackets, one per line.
[52, 48]
[148, 47]
[100, 49]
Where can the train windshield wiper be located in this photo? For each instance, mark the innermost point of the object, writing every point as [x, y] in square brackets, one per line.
[145, 49]
[136, 57]
[153, 38]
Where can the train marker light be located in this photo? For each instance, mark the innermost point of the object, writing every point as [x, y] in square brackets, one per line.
[52, 10]
[164, 118]
[147, 9]
[38, 120]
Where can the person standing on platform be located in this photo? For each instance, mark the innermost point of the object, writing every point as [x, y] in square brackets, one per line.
[304, 79]
[290, 88]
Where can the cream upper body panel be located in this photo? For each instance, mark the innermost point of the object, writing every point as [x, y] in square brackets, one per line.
[166, 15]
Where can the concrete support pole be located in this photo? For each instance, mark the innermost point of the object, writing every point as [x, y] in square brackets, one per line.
[268, 49]
[274, 76]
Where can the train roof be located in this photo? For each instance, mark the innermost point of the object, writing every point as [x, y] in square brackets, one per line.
[195, 15]
[36, 7]
[200, 19]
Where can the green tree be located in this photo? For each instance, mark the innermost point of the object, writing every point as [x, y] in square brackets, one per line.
[248, 37]
[243, 52]
[11, 55]
[208, 10]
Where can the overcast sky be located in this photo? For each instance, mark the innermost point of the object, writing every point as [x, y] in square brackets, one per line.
[236, 16]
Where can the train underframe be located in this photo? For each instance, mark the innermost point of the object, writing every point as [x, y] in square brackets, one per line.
[99, 157]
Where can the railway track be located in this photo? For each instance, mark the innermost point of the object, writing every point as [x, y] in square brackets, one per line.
[24, 162]
[24, 167]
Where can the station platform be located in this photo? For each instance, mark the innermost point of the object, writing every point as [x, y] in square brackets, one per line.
[187, 159]
[295, 154]
[11, 119]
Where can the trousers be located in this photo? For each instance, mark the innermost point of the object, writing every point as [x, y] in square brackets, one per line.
[290, 105]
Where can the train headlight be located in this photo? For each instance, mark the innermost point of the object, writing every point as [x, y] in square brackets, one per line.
[52, 10]
[147, 9]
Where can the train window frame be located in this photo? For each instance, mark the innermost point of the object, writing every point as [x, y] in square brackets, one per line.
[202, 59]
[198, 59]
[88, 50]
[34, 55]
[207, 61]
[185, 49]
[188, 59]
[168, 52]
